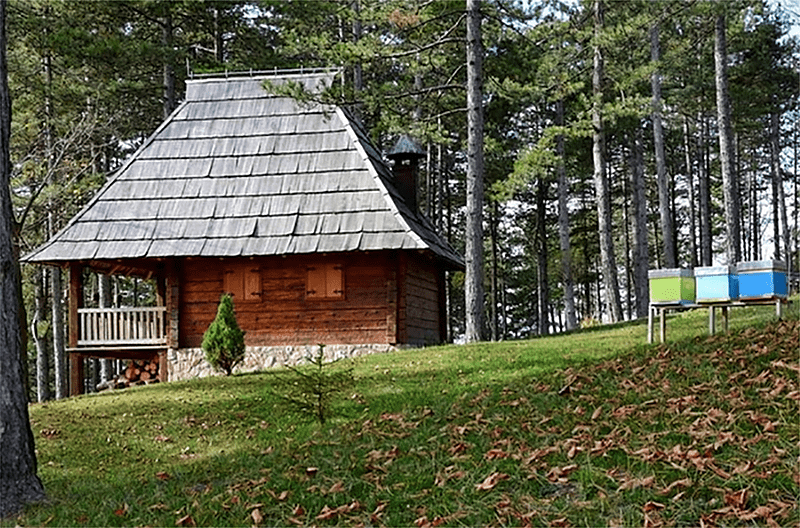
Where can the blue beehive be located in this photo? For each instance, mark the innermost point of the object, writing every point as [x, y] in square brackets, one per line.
[716, 284]
[762, 279]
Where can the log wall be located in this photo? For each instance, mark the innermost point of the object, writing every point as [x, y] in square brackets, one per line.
[387, 300]
[422, 318]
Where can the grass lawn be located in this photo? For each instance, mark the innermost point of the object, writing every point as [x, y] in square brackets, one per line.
[594, 428]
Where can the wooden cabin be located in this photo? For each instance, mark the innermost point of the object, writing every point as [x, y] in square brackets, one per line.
[286, 205]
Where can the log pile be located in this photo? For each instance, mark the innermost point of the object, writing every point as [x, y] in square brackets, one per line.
[138, 372]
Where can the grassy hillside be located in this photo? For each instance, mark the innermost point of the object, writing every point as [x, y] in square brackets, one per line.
[589, 429]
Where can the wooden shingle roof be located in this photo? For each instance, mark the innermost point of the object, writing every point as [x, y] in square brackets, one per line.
[237, 171]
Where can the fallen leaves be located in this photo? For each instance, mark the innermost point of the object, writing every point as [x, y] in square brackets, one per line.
[186, 520]
[491, 481]
[49, 434]
[636, 482]
[329, 513]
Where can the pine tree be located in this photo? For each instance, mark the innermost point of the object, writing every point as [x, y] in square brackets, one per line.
[19, 484]
[311, 391]
[223, 342]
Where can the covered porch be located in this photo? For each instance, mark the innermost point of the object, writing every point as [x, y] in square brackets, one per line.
[142, 333]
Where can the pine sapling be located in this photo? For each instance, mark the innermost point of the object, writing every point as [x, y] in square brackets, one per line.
[223, 342]
[313, 389]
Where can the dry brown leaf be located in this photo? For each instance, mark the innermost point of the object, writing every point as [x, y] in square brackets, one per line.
[494, 454]
[257, 517]
[186, 520]
[327, 513]
[491, 481]
[737, 499]
[634, 483]
[683, 483]
[338, 487]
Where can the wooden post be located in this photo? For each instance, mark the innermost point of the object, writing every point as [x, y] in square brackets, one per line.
[650, 310]
[163, 366]
[173, 290]
[76, 373]
[75, 302]
[161, 289]
[725, 317]
[663, 323]
[712, 326]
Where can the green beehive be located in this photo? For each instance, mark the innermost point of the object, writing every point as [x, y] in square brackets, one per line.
[672, 286]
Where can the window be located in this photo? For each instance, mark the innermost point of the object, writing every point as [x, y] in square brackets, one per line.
[243, 281]
[325, 281]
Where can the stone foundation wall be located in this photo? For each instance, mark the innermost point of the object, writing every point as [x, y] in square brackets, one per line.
[188, 363]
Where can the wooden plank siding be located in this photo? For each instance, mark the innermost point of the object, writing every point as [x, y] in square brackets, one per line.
[374, 310]
[284, 314]
[422, 294]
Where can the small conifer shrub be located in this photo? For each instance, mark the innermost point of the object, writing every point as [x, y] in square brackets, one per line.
[311, 390]
[223, 342]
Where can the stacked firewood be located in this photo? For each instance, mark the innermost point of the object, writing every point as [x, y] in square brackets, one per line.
[138, 372]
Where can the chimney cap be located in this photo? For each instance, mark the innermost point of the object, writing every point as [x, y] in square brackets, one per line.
[405, 148]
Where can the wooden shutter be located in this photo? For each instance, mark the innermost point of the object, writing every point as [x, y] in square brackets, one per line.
[325, 281]
[242, 281]
[315, 285]
[334, 281]
[233, 283]
[252, 284]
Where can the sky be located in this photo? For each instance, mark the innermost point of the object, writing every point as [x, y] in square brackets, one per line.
[792, 9]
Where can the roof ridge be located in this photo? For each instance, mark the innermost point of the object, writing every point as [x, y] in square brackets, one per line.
[276, 72]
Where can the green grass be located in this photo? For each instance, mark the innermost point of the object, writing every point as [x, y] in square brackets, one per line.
[594, 428]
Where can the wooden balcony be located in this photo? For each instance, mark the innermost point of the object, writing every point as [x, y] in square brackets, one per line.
[122, 327]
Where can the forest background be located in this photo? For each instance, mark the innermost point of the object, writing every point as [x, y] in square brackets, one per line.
[601, 134]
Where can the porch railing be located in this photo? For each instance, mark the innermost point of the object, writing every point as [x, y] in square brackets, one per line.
[122, 326]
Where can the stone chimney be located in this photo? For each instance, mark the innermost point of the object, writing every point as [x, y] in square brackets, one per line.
[406, 154]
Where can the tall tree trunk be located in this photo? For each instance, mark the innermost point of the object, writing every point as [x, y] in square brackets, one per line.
[358, 79]
[19, 484]
[664, 205]
[42, 361]
[493, 294]
[641, 250]
[628, 266]
[796, 266]
[170, 100]
[219, 43]
[474, 222]
[779, 203]
[57, 318]
[541, 258]
[726, 146]
[59, 351]
[608, 260]
[563, 225]
[704, 192]
[104, 301]
[687, 157]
